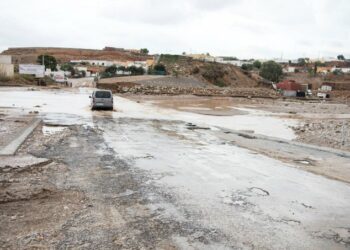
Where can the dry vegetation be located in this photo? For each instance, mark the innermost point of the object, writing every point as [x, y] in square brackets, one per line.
[222, 75]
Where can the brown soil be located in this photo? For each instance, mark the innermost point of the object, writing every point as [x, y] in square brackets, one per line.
[215, 73]
[29, 55]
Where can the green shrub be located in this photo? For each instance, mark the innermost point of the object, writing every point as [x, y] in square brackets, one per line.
[220, 84]
[50, 62]
[213, 73]
[257, 64]
[271, 70]
[195, 70]
[247, 66]
[167, 58]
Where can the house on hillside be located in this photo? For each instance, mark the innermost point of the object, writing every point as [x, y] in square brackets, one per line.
[291, 88]
[324, 70]
[341, 69]
[103, 63]
[289, 69]
[326, 88]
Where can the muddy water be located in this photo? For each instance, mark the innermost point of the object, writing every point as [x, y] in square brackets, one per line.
[73, 107]
[217, 106]
[252, 200]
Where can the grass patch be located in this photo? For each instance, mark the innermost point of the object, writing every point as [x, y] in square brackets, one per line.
[166, 58]
[220, 84]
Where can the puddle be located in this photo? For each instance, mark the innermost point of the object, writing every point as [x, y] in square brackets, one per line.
[69, 107]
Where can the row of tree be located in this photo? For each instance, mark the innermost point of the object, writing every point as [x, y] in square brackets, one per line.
[113, 70]
[273, 71]
[158, 69]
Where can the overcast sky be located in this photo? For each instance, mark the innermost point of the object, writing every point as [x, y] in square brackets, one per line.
[242, 28]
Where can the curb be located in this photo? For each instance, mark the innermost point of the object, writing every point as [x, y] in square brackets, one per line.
[12, 147]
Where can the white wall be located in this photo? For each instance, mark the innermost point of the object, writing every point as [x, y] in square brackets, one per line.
[326, 88]
[237, 63]
[289, 69]
[5, 59]
[7, 70]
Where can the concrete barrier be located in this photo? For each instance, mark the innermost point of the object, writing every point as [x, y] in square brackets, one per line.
[13, 146]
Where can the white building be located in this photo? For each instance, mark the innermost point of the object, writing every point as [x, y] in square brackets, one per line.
[5, 59]
[7, 69]
[237, 63]
[344, 70]
[289, 69]
[280, 60]
[326, 88]
[104, 63]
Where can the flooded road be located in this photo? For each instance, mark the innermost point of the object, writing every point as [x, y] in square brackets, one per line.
[210, 192]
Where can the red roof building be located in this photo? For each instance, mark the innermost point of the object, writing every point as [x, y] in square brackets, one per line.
[289, 85]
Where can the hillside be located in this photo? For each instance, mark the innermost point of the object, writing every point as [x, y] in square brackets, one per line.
[30, 54]
[222, 75]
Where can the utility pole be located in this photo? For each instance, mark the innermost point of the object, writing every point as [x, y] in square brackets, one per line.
[343, 136]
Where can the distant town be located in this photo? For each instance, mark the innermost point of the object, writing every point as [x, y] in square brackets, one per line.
[299, 77]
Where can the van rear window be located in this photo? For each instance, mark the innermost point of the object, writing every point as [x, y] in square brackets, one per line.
[103, 94]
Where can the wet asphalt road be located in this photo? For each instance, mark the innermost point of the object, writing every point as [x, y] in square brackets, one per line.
[250, 200]
[155, 183]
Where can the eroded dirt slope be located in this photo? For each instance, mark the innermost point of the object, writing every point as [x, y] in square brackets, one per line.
[29, 55]
[215, 73]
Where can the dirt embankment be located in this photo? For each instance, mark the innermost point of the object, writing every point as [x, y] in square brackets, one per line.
[29, 55]
[222, 75]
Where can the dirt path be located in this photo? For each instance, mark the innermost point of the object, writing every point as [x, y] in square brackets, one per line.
[97, 202]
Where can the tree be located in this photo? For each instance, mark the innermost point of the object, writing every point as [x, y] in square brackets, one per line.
[315, 69]
[271, 70]
[301, 62]
[68, 67]
[341, 57]
[320, 64]
[50, 62]
[159, 67]
[144, 51]
[247, 66]
[136, 70]
[257, 64]
[111, 69]
[337, 72]
[121, 68]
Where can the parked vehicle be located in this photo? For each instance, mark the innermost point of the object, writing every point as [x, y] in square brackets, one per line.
[102, 99]
[323, 95]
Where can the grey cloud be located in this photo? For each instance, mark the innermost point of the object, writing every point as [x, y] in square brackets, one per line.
[212, 5]
[251, 28]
